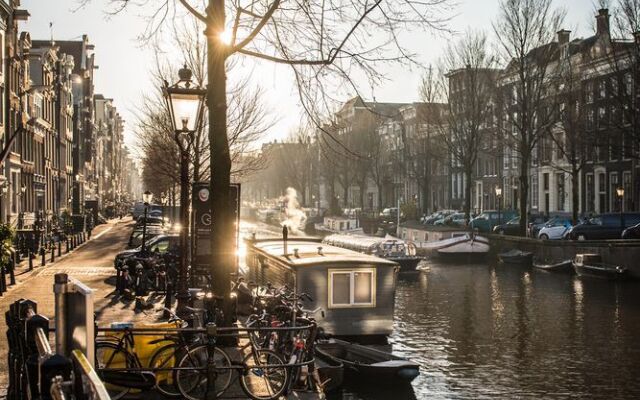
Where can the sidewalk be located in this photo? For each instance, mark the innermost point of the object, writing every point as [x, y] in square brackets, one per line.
[22, 271]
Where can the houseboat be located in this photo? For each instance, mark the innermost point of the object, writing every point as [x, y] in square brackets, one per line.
[356, 291]
[387, 247]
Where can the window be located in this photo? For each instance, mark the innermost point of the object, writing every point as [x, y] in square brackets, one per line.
[614, 201]
[602, 89]
[588, 89]
[589, 193]
[628, 84]
[352, 288]
[534, 191]
[602, 114]
[561, 191]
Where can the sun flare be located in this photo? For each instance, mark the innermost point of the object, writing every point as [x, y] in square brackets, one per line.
[225, 37]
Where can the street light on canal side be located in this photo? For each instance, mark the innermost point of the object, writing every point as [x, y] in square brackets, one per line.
[620, 193]
[498, 197]
[147, 197]
[185, 102]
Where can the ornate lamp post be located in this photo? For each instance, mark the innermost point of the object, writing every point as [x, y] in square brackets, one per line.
[185, 102]
[498, 198]
[147, 197]
[620, 193]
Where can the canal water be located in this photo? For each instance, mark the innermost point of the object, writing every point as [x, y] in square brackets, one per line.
[507, 332]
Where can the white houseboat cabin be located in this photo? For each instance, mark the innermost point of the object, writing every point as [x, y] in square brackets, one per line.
[356, 291]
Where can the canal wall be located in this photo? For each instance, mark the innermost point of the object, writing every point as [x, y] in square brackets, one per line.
[619, 252]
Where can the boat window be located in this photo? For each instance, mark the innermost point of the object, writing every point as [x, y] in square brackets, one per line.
[352, 288]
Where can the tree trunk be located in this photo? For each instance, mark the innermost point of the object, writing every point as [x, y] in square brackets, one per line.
[575, 195]
[524, 193]
[222, 228]
[467, 194]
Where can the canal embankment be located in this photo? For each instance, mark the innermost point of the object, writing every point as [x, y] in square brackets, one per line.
[619, 252]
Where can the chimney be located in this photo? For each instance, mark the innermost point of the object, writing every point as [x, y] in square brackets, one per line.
[602, 22]
[285, 238]
[563, 36]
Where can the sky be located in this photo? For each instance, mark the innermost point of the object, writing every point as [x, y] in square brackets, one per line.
[124, 64]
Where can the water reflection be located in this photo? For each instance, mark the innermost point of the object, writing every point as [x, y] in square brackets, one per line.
[485, 332]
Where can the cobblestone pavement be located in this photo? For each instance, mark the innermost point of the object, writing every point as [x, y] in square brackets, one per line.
[91, 263]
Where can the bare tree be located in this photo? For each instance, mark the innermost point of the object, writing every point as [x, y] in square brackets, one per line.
[248, 118]
[525, 31]
[325, 44]
[572, 137]
[469, 87]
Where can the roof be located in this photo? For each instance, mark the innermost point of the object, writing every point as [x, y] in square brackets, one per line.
[308, 253]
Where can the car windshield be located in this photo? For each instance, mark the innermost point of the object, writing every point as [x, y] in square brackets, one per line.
[514, 221]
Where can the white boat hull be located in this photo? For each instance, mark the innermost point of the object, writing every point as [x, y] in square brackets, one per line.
[460, 245]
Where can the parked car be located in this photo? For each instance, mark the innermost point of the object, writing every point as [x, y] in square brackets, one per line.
[486, 221]
[512, 227]
[160, 244]
[539, 221]
[151, 220]
[632, 232]
[604, 227]
[453, 219]
[436, 216]
[555, 228]
[135, 239]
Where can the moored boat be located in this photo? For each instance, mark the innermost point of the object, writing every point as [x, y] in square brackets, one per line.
[462, 245]
[592, 265]
[387, 247]
[516, 256]
[565, 266]
[331, 373]
[362, 362]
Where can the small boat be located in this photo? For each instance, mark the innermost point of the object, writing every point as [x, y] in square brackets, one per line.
[390, 248]
[592, 265]
[362, 362]
[565, 266]
[331, 373]
[516, 256]
[466, 244]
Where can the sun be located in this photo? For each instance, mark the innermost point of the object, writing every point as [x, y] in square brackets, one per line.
[225, 37]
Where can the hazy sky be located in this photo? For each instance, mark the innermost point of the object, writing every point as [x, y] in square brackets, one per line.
[124, 66]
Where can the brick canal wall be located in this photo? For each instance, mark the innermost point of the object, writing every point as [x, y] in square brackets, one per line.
[618, 252]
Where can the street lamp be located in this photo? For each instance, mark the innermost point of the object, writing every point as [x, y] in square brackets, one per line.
[498, 197]
[620, 193]
[185, 102]
[147, 196]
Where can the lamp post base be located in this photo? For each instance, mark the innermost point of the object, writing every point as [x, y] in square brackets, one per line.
[182, 298]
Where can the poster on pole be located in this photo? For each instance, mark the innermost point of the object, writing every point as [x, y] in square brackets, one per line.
[202, 220]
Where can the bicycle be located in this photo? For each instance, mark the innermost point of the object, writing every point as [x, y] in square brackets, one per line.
[120, 353]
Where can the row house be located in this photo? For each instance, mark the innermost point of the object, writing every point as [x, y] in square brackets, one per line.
[49, 131]
[593, 87]
[486, 173]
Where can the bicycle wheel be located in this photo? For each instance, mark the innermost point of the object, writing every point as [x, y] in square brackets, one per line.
[166, 357]
[110, 355]
[264, 383]
[192, 381]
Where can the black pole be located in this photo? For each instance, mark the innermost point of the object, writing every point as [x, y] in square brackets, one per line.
[183, 287]
[499, 204]
[144, 227]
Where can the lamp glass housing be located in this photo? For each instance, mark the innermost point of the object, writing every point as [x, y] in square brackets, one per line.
[620, 191]
[185, 108]
[498, 191]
